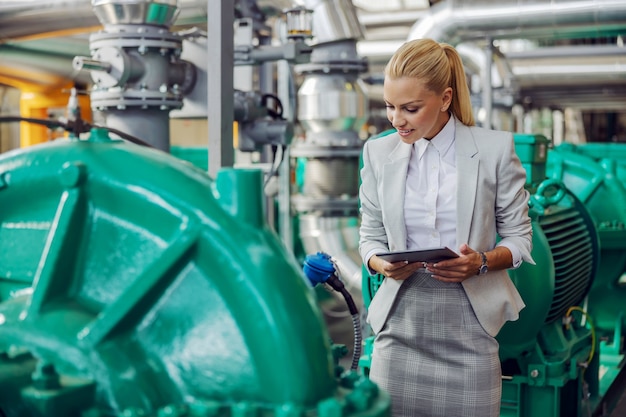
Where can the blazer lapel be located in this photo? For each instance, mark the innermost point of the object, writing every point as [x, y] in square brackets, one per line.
[394, 185]
[467, 180]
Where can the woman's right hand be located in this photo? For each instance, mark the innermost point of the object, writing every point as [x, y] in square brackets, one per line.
[394, 270]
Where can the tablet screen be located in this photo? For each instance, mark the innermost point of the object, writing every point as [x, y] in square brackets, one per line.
[422, 255]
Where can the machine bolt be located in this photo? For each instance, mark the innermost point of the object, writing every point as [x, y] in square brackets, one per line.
[172, 411]
[330, 407]
[534, 373]
[288, 410]
[205, 408]
[244, 409]
[133, 412]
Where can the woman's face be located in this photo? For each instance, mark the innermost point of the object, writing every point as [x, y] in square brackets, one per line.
[415, 111]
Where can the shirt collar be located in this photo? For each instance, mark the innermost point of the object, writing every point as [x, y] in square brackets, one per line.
[442, 140]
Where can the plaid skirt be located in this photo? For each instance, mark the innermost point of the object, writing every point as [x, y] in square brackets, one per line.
[432, 355]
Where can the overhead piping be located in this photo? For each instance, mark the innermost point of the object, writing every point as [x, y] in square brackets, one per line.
[457, 21]
[453, 20]
[52, 18]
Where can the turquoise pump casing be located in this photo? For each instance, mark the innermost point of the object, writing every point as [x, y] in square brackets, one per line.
[596, 174]
[131, 283]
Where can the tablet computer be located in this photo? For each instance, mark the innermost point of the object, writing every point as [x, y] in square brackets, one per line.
[422, 255]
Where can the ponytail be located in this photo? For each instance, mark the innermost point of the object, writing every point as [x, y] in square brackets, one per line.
[461, 105]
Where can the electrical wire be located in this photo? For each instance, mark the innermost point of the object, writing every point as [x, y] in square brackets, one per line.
[275, 114]
[77, 127]
[593, 330]
[591, 352]
[338, 285]
[279, 156]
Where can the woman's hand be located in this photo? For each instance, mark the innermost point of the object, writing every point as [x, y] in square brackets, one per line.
[394, 270]
[468, 263]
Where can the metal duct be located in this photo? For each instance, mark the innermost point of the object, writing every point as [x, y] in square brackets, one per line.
[20, 19]
[334, 20]
[584, 65]
[40, 18]
[332, 108]
[48, 18]
[38, 67]
[595, 76]
[454, 20]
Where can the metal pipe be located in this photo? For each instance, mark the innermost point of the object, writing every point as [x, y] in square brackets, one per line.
[332, 108]
[46, 18]
[487, 103]
[457, 21]
[220, 106]
[84, 63]
[334, 20]
[582, 52]
[454, 20]
[21, 19]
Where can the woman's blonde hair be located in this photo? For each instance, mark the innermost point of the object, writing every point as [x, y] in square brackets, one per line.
[439, 66]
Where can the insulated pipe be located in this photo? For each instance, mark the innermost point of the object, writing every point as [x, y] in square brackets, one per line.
[453, 20]
[48, 18]
[21, 19]
[334, 20]
[332, 109]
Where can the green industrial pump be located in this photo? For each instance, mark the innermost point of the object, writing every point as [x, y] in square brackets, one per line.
[133, 284]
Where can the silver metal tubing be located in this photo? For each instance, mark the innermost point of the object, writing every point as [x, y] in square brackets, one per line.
[454, 20]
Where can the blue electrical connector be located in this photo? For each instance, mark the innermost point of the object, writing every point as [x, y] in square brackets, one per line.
[319, 268]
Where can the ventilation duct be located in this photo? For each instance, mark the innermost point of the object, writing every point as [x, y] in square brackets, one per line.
[596, 76]
[454, 20]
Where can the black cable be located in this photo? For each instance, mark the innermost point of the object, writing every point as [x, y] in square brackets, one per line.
[124, 135]
[275, 114]
[275, 165]
[77, 127]
[337, 285]
[52, 124]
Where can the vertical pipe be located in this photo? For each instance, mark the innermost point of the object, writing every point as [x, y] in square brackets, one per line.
[220, 106]
[283, 88]
[487, 87]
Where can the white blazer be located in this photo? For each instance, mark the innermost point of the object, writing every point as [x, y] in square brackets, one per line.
[490, 199]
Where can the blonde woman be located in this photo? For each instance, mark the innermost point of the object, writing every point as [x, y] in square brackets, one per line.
[441, 181]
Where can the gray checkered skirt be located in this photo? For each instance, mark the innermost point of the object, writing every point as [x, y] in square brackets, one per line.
[432, 355]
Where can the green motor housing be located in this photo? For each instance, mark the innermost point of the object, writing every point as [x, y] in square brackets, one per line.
[133, 284]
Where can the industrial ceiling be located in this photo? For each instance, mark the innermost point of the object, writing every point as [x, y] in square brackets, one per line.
[558, 53]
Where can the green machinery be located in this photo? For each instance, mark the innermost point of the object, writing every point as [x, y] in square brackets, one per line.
[596, 174]
[564, 355]
[549, 360]
[133, 284]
